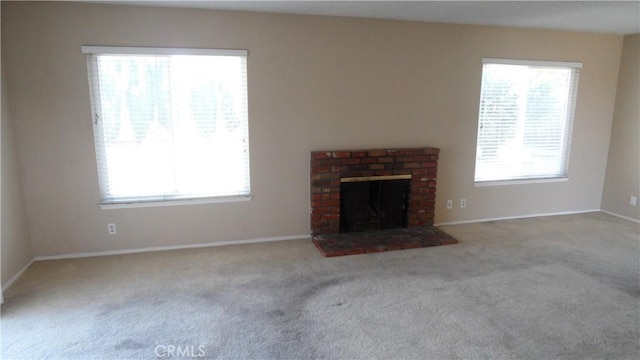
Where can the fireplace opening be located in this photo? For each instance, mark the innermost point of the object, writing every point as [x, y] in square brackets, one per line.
[367, 205]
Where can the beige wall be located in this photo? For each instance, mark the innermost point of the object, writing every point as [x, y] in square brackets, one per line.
[623, 167]
[15, 247]
[315, 83]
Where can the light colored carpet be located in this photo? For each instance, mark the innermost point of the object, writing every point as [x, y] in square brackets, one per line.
[565, 287]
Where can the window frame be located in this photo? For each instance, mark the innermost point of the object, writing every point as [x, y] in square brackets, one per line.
[110, 202]
[569, 119]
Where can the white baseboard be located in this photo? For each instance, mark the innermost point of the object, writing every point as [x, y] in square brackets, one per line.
[269, 239]
[15, 277]
[621, 216]
[171, 247]
[515, 217]
[147, 249]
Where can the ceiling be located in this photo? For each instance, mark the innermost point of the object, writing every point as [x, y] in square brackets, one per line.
[613, 17]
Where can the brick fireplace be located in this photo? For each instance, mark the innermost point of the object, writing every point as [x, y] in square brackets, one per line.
[329, 168]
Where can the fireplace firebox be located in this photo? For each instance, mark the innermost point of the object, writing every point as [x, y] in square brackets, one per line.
[367, 201]
[367, 205]
[333, 171]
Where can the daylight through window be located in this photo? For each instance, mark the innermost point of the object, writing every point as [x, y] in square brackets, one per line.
[169, 124]
[526, 119]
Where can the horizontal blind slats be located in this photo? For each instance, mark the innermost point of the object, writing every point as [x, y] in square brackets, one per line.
[525, 122]
[170, 126]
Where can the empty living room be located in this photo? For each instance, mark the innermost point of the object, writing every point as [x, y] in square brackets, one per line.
[320, 179]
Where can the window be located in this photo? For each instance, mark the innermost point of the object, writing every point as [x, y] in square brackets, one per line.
[526, 119]
[169, 124]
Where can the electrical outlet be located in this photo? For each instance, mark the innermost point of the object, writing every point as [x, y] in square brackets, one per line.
[449, 204]
[111, 229]
[633, 201]
[463, 203]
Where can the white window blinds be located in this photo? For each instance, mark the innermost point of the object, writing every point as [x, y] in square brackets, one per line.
[169, 124]
[526, 119]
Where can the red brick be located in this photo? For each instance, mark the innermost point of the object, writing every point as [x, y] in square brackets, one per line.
[331, 217]
[427, 204]
[320, 169]
[412, 245]
[421, 171]
[421, 158]
[376, 153]
[385, 159]
[322, 211]
[350, 173]
[331, 162]
[330, 203]
[430, 164]
[392, 247]
[326, 183]
[411, 165]
[350, 161]
[320, 197]
[418, 196]
[341, 154]
[320, 155]
[357, 167]
[332, 253]
[321, 183]
[376, 167]
[425, 216]
[355, 251]
[330, 175]
[370, 160]
[428, 177]
[399, 152]
[359, 154]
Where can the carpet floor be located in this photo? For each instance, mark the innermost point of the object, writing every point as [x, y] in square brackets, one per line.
[563, 287]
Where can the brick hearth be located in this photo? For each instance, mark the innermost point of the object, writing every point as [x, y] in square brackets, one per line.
[328, 167]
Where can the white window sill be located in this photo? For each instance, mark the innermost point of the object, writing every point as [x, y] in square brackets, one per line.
[158, 203]
[519, 182]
